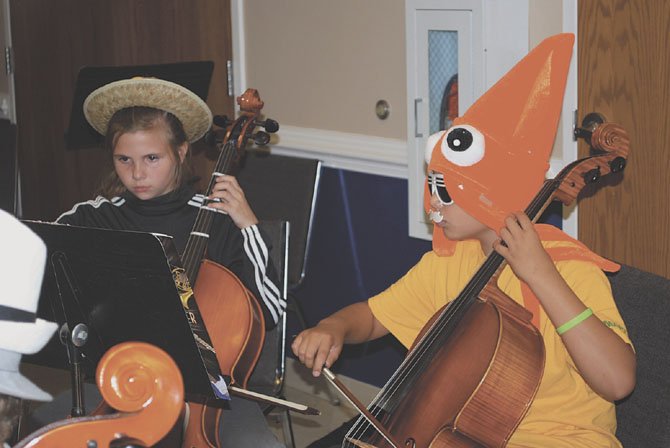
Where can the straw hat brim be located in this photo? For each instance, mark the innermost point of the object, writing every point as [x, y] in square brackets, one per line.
[193, 113]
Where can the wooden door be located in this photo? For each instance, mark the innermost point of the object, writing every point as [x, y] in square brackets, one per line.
[624, 73]
[54, 39]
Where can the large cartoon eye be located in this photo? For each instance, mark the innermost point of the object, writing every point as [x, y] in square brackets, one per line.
[463, 145]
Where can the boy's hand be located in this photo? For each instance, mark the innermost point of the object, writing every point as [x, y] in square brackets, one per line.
[523, 249]
[319, 346]
[227, 195]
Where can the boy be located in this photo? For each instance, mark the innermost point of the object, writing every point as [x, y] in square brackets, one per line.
[482, 171]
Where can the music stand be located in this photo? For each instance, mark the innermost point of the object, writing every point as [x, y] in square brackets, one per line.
[123, 286]
[195, 76]
[9, 167]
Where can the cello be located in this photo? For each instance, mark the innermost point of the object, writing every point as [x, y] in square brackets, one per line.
[232, 316]
[474, 369]
[138, 380]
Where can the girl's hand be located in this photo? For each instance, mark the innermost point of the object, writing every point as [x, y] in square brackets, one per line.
[227, 195]
[523, 249]
[319, 346]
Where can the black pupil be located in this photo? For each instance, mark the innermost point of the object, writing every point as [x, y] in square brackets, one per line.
[459, 139]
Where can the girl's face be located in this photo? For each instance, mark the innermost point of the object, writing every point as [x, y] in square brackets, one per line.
[145, 162]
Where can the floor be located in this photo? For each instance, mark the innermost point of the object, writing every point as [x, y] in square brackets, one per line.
[299, 387]
[308, 428]
[302, 388]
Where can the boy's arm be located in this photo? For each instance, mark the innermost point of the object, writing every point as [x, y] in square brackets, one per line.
[321, 345]
[605, 361]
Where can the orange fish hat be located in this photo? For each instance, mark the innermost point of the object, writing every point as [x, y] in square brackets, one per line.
[494, 158]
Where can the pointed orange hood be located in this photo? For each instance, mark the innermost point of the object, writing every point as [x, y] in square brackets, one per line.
[494, 158]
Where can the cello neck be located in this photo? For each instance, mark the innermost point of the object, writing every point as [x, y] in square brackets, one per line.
[196, 245]
[231, 150]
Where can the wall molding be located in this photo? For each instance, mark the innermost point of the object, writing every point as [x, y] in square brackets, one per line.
[348, 151]
[239, 45]
[570, 153]
[353, 152]
[383, 156]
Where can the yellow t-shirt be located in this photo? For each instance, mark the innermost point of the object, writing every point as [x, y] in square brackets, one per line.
[565, 412]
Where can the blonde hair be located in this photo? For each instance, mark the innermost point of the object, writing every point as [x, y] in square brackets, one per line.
[139, 118]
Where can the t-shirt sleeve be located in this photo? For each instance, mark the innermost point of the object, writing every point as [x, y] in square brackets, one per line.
[406, 306]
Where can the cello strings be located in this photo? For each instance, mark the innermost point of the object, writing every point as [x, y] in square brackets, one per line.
[196, 245]
[460, 304]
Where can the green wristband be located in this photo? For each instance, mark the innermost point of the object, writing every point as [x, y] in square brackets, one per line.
[572, 323]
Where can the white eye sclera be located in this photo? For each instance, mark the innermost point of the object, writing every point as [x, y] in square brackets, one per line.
[430, 144]
[463, 145]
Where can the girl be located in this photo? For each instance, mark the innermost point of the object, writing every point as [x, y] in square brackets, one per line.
[148, 126]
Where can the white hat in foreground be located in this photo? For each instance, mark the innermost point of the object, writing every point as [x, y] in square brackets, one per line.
[21, 331]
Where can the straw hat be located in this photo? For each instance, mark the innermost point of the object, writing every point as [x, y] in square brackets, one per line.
[190, 109]
[21, 332]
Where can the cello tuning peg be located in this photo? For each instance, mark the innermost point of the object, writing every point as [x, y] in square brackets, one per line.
[270, 125]
[618, 164]
[210, 138]
[261, 138]
[589, 124]
[222, 121]
[592, 175]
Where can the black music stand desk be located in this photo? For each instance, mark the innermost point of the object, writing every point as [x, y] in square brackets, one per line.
[122, 286]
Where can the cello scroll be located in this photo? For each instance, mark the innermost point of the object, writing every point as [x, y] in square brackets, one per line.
[610, 144]
[139, 380]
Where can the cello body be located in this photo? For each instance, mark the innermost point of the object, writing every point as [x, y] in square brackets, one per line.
[472, 367]
[223, 300]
